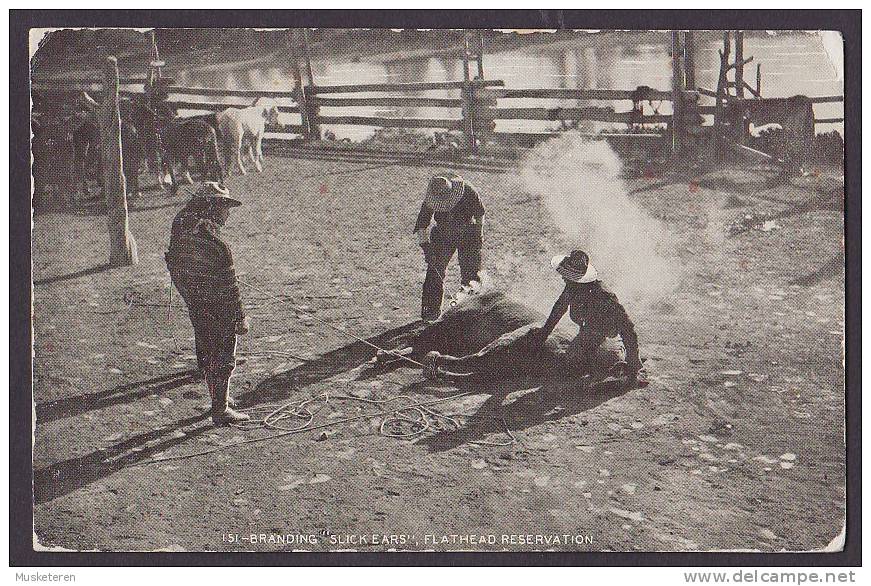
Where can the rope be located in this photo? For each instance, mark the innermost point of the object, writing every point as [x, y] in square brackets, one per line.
[426, 420]
[419, 415]
[344, 331]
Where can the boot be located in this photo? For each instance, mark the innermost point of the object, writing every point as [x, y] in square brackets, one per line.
[430, 314]
[222, 414]
[431, 365]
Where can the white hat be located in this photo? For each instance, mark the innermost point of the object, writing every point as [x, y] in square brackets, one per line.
[575, 267]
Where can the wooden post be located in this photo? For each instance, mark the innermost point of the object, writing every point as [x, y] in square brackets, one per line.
[299, 88]
[466, 76]
[759, 80]
[310, 91]
[480, 54]
[468, 99]
[677, 92]
[739, 85]
[155, 67]
[122, 245]
[739, 64]
[690, 59]
[722, 90]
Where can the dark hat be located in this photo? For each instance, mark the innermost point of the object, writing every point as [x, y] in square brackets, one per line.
[214, 192]
[444, 192]
[575, 267]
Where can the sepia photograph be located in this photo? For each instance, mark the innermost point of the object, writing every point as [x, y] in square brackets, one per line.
[437, 289]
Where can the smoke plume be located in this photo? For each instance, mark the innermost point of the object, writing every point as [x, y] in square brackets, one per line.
[580, 185]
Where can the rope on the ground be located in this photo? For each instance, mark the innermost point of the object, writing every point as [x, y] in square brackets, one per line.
[298, 409]
[324, 322]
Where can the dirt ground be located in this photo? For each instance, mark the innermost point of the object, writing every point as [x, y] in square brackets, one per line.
[736, 444]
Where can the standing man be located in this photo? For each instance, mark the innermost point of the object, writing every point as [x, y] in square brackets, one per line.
[451, 219]
[201, 267]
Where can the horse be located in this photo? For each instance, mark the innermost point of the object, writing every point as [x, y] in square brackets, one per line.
[239, 124]
[176, 140]
[87, 158]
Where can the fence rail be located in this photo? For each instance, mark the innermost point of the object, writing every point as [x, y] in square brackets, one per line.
[474, 110]
[401, 87]
[402, 101]
[582, 94]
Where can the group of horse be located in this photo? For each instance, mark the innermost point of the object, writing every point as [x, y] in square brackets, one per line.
[66, 149]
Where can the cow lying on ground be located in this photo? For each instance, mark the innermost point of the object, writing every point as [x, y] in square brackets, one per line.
[490, 336]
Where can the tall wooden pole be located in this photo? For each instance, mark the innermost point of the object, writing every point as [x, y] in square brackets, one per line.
[690, 59]
[480, 50]
[677, 92]
[468, 98]
[739, 64]
[299, 86]
[122, 245]
[310, 98]
[758, 80]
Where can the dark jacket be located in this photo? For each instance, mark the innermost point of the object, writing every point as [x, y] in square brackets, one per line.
[201, 264]
[596, 310]
[467, 209]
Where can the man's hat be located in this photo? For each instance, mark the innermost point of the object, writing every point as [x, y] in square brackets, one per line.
[444, 192]
[217, 193]
[575, 267]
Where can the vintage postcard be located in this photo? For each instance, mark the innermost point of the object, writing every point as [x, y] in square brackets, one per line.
[442, 290]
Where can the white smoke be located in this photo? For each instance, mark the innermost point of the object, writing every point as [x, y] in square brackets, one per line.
[579, 184]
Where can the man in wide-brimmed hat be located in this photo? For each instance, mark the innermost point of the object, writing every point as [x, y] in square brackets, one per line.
[201, 267]
[597, 312]
[451, 219]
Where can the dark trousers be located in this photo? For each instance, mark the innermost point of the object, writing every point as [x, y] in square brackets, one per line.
[215, 340]
[445, 241]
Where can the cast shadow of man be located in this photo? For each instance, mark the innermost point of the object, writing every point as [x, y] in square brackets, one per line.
[325, 366]
[61, 478]
[520, 402]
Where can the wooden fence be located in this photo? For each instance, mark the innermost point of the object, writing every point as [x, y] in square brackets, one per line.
[474, 109]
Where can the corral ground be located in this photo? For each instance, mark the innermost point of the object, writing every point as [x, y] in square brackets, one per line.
[736, 444]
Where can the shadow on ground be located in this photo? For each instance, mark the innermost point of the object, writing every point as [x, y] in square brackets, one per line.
[70, 406]
[545, 400]
[55, 480]
[70, 276]
[327, 365]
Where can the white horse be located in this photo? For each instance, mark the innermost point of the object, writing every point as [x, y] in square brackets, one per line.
[240, 124]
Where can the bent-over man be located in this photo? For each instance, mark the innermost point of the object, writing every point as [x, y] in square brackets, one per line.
[451, 219]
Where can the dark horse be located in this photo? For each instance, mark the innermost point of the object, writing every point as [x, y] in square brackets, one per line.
[87, 160]
[174, 141]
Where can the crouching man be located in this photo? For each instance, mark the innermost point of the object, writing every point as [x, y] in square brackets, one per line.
[596, 311]
[201, 267]
[451, 219]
